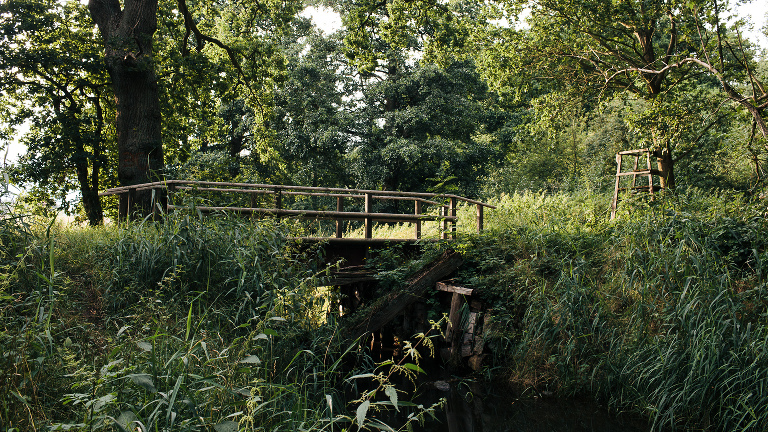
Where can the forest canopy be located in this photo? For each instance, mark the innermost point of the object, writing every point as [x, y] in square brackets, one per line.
[478, 98]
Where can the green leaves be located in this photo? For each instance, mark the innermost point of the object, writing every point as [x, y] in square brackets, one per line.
[361, 413]
[144, 381]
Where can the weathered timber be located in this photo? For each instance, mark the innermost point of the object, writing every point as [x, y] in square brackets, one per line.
[350, 275]
[387, 308]
[442, 286]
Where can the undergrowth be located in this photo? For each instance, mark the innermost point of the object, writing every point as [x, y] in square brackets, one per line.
[223, 324]
[190, 324]
[661, 311]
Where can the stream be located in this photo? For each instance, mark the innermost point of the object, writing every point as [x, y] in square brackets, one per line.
[475, 407]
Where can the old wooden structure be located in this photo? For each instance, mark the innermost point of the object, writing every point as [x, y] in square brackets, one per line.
[632, 175]
[350, 204]
[355, 282]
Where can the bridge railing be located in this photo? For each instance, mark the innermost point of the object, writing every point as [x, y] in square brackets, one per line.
[257, 205]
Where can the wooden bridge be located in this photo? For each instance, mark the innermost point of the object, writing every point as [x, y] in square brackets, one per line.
[355, 282]
[281, 201]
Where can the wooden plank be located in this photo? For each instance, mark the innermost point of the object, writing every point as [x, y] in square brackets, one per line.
[637, 173]
[321, 214]
[442, 286]
[634, 152]
[352, 274]
[387, 307]
[204, 189]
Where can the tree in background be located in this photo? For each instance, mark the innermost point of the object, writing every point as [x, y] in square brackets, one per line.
[53, 78]
[312, 114]
[428, 129]
[645, 48]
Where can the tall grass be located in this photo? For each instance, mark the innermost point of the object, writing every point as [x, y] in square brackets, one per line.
[191, 324]
[661, 311]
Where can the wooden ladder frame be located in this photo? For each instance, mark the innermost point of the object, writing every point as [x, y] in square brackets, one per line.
[649, 171]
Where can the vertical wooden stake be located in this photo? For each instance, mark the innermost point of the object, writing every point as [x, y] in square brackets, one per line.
[278, 200]
[453, 214]
[479, 218]
[368, 220]
[444, 213]
[417, 224]
[615, 201]
[339, 222]
[650, 174]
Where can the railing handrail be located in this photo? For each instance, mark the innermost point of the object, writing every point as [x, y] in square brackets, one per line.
[164, 183]
[447, 212]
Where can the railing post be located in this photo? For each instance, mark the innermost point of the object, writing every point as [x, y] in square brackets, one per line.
[339, 222]
[278, 200]
[453, 214]
[126, 200]
[444, 213]
[368, 220]
[479, 218]
[417, 224]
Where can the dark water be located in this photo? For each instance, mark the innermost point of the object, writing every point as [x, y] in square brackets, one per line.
[472, 407]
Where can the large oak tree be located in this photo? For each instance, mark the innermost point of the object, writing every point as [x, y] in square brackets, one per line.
[127, 34]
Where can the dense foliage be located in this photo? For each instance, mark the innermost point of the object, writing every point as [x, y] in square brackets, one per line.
[225, 324]
[195, 323]
[416, 96]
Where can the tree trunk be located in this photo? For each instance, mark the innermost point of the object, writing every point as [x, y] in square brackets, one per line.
[665, 163]
[127, 36]
[91, 202]
[666, 167]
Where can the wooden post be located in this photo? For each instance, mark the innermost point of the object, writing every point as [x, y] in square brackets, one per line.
[479, 218]
[650, 173]
[278, 200]
[444, 213]
[339, 222]
[130, 197]
[615, 201]
[368, 211]
[453, 214]
[417, 224]
[123, 199]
